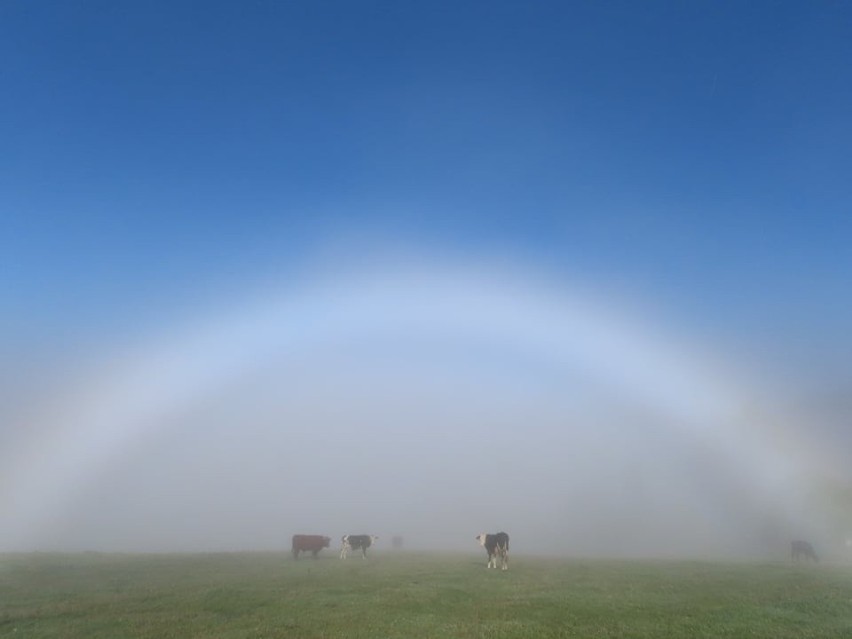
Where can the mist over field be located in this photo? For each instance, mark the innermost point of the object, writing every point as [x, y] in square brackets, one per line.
[578, 273]
[434, 403]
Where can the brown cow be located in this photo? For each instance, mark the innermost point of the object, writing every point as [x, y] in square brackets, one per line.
[312, 543]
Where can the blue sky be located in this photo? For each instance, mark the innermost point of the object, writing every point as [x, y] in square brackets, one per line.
[685, 163]
[697, 153]
[700, 149]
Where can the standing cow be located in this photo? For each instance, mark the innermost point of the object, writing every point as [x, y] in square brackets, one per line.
[799, 548]
[356, 542]
[309, 543]
[496, 545]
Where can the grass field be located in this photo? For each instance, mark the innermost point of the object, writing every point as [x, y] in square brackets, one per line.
[414, 595]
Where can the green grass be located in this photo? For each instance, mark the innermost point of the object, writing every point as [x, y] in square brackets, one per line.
[410, 595]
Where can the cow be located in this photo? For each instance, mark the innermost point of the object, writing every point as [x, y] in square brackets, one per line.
[309, 543]
[496, 545]
[356, 542]
[799, 548]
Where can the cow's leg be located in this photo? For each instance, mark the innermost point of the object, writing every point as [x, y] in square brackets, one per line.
[295, 553]
[363, 552]
[505, 559]
[315, 553]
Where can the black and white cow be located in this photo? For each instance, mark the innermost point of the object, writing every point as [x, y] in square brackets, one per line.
[496, 545]
[356, 542]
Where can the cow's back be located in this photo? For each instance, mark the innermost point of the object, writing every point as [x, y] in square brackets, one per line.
[360, 541]
[502, 540]
[310, 542]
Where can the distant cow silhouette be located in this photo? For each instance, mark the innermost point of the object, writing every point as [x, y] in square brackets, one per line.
[799, 549]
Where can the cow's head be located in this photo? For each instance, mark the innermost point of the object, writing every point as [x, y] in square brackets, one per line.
[373, 539]
[481, 539]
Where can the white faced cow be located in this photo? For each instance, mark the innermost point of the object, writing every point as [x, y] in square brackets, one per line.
[356, 542]
[496, 545]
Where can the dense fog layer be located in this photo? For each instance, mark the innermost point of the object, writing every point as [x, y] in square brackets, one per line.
[429, 405]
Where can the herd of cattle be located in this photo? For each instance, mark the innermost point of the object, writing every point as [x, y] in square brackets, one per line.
[496, 545]
[315, 543]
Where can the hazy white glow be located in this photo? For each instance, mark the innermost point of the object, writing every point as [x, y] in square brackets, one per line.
[439, 319]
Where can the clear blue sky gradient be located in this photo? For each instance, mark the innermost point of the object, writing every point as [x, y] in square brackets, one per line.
[699, 152]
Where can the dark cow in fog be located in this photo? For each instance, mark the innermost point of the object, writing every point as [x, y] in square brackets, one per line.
[496, 545]
[799, 549]
[356, 542]
[309, 543]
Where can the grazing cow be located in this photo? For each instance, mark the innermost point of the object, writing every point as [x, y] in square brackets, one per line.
[496, 545]
[801, 548]
[356, 542]
[309, 543]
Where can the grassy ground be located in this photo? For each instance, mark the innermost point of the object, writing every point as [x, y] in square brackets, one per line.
[410, 595]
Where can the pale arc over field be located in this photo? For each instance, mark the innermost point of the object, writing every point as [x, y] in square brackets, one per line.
[420, 310]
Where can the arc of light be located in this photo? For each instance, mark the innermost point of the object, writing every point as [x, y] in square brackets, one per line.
[146, 387]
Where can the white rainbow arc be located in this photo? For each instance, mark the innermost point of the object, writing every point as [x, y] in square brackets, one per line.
[128, 401]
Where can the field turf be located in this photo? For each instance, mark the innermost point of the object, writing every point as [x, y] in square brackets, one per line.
[414, 595]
